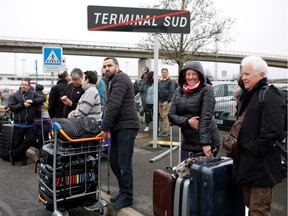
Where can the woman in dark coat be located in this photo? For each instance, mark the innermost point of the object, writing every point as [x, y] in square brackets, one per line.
[192, 109]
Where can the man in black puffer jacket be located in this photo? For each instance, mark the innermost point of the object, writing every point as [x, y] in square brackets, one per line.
[24, 105]
[120, 119]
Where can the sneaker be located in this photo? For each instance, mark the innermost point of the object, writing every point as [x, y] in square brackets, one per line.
[122, 202]
[146, 129]
[115, 198]
[163, 134]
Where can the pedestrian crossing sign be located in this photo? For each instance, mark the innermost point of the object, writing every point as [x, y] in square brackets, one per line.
[52, 56]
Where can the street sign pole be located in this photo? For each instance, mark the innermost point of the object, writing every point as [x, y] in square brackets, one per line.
[36, 69]
[155, 93]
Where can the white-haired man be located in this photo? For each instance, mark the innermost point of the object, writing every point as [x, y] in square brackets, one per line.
[259, 167]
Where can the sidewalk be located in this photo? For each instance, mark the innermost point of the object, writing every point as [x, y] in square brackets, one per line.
[143, 177]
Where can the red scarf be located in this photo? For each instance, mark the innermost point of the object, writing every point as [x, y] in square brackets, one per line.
[188, 88]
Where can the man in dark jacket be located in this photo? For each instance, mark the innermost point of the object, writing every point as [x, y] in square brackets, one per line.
[73, 92]
[259, 167]
[166, 92]
[55, 109]
[120, 119]
[24, 104]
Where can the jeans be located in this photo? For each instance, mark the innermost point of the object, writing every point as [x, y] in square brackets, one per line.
[120, 157]
[148, 109]
[23, 138]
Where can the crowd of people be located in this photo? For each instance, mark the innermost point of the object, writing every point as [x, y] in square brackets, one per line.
[190, 105]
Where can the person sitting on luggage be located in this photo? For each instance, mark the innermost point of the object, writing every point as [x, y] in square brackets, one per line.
[89, 104]
[192, 109]
[24, 104]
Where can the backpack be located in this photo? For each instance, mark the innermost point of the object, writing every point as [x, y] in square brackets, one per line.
[279, 145]
[284, 94]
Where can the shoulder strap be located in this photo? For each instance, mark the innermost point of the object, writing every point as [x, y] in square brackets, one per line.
[262, 94]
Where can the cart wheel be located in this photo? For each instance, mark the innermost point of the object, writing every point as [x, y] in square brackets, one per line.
[103, 211]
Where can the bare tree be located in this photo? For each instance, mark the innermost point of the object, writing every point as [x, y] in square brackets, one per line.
[207, 28]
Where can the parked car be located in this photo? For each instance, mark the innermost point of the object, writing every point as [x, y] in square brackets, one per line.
[225, 104]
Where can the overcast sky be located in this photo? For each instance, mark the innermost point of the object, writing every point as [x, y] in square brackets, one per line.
[261, 27]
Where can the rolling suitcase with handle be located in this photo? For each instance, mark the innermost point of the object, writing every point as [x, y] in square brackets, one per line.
[182, 197]
[163, 191]
[212, 190]
[6, 141]
[164, 181]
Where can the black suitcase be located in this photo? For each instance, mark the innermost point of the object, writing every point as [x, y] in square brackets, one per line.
[66, 175]
[65, 196]
[6, 141]
[212, 190]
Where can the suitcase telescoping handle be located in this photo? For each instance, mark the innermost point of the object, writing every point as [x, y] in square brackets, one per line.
[171, 145]
[57, 127]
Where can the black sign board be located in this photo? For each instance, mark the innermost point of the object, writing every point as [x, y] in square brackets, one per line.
[102, 18]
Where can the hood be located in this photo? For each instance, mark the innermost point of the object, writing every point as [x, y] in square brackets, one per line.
[194, 65]
[39, 87]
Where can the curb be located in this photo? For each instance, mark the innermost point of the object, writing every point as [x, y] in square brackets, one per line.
[122, 212]
[32, 153]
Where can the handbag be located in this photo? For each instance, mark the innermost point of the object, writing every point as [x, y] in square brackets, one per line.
[229, 142]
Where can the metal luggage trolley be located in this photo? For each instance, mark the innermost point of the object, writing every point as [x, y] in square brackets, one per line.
[67, 147]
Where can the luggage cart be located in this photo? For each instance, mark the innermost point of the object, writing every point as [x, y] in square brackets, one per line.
[78, 186]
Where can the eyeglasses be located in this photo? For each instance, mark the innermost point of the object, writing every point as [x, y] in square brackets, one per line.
[76, 78]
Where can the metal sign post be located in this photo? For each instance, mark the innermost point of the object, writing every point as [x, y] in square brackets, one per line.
[155, 93]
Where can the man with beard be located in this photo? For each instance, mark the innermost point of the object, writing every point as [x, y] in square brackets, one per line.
[120, 119]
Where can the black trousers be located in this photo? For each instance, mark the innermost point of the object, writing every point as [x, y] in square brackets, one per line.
[23, 138]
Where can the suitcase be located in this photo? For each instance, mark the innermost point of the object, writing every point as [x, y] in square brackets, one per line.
[164, 181]
[45, 196]
[39, 130]
[6, 141]
[212, 190]
[66, 177]
[182, 197]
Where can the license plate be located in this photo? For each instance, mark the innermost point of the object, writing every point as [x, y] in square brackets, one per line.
[219, 121]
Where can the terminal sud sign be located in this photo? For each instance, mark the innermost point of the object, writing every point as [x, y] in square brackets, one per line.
[101, 18]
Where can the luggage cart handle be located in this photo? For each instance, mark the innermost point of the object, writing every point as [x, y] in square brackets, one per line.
[57, 127]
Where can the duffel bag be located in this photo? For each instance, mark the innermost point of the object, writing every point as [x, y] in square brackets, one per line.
[79, 127]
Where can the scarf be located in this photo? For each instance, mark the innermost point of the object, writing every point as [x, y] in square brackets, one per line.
[188, 88]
